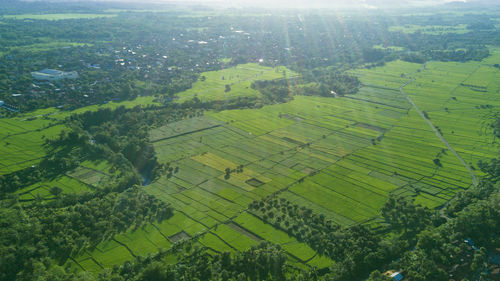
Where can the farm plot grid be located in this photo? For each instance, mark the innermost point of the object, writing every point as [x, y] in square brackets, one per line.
[22, 138]
[23, 142]
[341, 157]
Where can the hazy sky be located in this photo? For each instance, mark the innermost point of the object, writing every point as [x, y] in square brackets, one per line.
[424, 2]
[332, 3]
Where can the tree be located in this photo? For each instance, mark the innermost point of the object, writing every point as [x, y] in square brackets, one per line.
[479, 260]
[401, 213]
[419, 267]
[153, 272]
[437, 162]
[378, 276]
[56, 191]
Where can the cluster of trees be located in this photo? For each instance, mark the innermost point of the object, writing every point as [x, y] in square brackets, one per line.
[328, 82]
[356, 250]
[279, 91]
[441, 249]
[261, 262]
[438, 250]
[325, 82]
[426, 245]
[402, 215]
[228, 171]
[64, 227]
[125, 132]
[296, 220]
[476, 53]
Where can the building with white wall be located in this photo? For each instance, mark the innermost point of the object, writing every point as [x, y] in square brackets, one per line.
[53, 75]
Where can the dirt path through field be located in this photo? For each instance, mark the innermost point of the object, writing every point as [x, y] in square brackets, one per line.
[473, 176]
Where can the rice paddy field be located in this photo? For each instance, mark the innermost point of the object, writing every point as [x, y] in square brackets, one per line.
[149, 239]
[342, 157]
[22, 138]
[42, 190]
[22, 142]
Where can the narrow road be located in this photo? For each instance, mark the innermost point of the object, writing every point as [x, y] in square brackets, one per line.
[474, 180]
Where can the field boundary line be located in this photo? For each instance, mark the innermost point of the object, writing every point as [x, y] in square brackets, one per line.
[376, 102]
[354, 222]
[438, 134]
[223, 241]
[126, 247]
[161, 233]
[186, 133]
[96, 262]
[76, 262]
[279, 228]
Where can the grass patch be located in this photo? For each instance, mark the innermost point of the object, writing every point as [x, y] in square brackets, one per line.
[212, 85]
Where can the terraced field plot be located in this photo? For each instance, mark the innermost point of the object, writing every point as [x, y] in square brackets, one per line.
[140, 242]
[84, 178]
[278, 147]
[22, 138]
[91, 173]
[43, 189]
[22, 142]
[340, 157]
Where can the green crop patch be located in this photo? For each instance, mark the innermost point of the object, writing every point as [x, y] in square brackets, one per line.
[240, 240]
[212, 241]
[233, 82]
[299, 250]
[23, 143]
[87, 175]
[340, 157]
[50, 188]
[183, 127]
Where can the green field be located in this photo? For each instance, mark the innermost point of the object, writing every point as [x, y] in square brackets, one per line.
[22, 138]
[211, 85]
[43, 189]
[137, 242]
[23, 142]
[341, 157]
[92, 173]
[57, 16]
